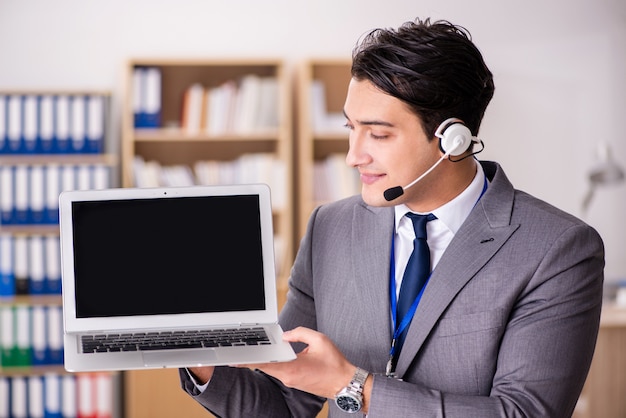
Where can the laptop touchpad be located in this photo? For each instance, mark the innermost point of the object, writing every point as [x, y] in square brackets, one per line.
[178, 358]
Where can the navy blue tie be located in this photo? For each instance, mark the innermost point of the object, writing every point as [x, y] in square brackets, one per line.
[416, 272]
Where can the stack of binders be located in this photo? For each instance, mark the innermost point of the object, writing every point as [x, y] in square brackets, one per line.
[57, 396]
[31, 336]
[52, 124]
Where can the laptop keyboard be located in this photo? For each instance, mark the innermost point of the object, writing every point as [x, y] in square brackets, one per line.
[142, 341]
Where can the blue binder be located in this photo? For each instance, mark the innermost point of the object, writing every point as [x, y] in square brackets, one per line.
[36, 265]
[47, 142]
[5, 396]
[14, 123]
[7, 276]
[39, 315]
[30, 124]
[62, 124]
[147, 97]
[7, 194]
[52, 190]
[78, 130]
[95, 124]
[52, 264]
[21, 191]
[37, 214]
[55, 335]
[52, 389]
[4, 140]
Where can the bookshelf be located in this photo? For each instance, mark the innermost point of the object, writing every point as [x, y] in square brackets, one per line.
[50, 141]
[206, 121]
[322, 138]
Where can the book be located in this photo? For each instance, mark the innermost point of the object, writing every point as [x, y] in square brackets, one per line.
[62, 124]
[68, 177]
[5, 397]
[147, 97]
[52, 191]
[101, 176]
[7, 195]
[30, 134]
[193, 109]
[78, 128]
[55, 334]
[269, 104]
[52, 393]
[7, 336]
[36, 265]
[69, 397]
[37, 214]
[52, 264]
[39, 339]
[86, 396]
[247, 104]
[14, 123]
[104, 395]
[4, 140]
[47, 143]
[35, 397]
[83, 177]
[7, 278]
[23, 342]
[19, 397]
[20, 264]
[221, 102]
[95, 124]
[21, 190]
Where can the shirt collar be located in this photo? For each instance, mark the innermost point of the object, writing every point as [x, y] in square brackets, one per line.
[454, 212]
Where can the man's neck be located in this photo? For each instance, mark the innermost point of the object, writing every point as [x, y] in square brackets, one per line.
[448, 183]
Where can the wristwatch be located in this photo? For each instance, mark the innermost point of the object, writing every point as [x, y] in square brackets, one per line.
[350, 398]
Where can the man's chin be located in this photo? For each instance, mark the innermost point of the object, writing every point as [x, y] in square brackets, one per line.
[375, 198]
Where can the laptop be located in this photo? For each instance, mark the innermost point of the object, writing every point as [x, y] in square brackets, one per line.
[169, 277]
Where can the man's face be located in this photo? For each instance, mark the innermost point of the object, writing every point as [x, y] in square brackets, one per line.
[388, 146]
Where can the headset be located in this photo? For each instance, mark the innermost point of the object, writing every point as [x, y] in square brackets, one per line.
[454, 139]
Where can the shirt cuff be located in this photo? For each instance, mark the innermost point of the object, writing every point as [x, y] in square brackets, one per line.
[201, 388]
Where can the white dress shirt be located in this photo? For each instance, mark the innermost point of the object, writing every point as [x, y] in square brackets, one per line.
[440, 231]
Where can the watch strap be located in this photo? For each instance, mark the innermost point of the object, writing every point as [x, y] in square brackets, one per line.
[358, 380]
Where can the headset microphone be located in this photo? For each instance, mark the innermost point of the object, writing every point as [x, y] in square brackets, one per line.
[395, 192]
[454, 139]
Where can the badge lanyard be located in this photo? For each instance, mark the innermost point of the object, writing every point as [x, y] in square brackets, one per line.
[408, 317]
[399, 328]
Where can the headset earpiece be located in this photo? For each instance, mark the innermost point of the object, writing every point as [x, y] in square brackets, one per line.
[454, 137]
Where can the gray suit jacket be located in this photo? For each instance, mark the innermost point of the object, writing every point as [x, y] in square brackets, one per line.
[506, 326]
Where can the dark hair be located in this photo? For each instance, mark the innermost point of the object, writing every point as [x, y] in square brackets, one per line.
[434, 68]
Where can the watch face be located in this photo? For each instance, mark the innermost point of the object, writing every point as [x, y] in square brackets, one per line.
[348, 403]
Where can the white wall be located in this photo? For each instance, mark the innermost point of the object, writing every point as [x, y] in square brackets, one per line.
[559, 66]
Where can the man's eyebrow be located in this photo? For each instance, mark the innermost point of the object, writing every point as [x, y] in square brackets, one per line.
[370, 122]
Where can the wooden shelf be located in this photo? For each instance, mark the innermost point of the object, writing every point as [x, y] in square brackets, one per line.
[315, 143]
[41, 229]
[603, 394]
[31, 300]
[177, 134]
[156, 393]
[87, 158]
[106, 159]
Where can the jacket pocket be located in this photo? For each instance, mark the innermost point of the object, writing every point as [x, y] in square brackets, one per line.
[474, 322]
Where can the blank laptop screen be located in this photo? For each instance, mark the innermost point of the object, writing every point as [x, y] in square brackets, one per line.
[167, 256]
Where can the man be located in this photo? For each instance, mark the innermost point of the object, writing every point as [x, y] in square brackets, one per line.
[507, 322]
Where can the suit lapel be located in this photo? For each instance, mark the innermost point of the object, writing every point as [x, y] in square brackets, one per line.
[486, 229]
[372, 229]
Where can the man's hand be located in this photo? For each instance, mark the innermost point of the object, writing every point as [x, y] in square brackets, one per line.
[320, 369]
